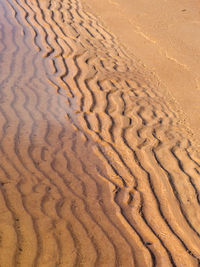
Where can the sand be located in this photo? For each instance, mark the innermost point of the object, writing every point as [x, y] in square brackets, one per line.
[95, 167]
[165, 36]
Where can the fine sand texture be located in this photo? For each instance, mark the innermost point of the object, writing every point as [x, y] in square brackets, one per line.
[165, 36]
[94, 169]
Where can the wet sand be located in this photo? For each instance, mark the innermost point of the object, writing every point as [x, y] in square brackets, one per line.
[95, 169]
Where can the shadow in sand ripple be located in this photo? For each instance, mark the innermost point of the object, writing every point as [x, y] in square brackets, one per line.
[93, 169]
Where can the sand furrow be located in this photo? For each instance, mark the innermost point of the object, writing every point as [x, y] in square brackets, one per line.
[16, 150]
[46, 137]
[12, 206]
[143, 122]
[94, 170]
[137, 114]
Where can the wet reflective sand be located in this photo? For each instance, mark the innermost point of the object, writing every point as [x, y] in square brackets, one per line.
[93, 168]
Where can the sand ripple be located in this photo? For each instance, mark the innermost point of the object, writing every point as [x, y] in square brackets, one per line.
[93, 169]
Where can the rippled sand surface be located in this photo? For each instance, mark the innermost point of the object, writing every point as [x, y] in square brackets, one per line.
[93, 168]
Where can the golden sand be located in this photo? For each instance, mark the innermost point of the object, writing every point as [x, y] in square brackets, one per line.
[94, 168]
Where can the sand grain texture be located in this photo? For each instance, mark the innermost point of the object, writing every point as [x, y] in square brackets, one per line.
[93, 168]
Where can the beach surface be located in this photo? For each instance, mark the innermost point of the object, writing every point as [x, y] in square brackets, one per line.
[99, 117]
[165, 36]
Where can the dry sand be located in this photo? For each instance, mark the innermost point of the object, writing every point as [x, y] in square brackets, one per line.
[95, 169]
[165, 36]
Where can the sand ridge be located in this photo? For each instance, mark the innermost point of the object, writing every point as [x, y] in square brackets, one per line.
[94, 171]
[164, 37]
